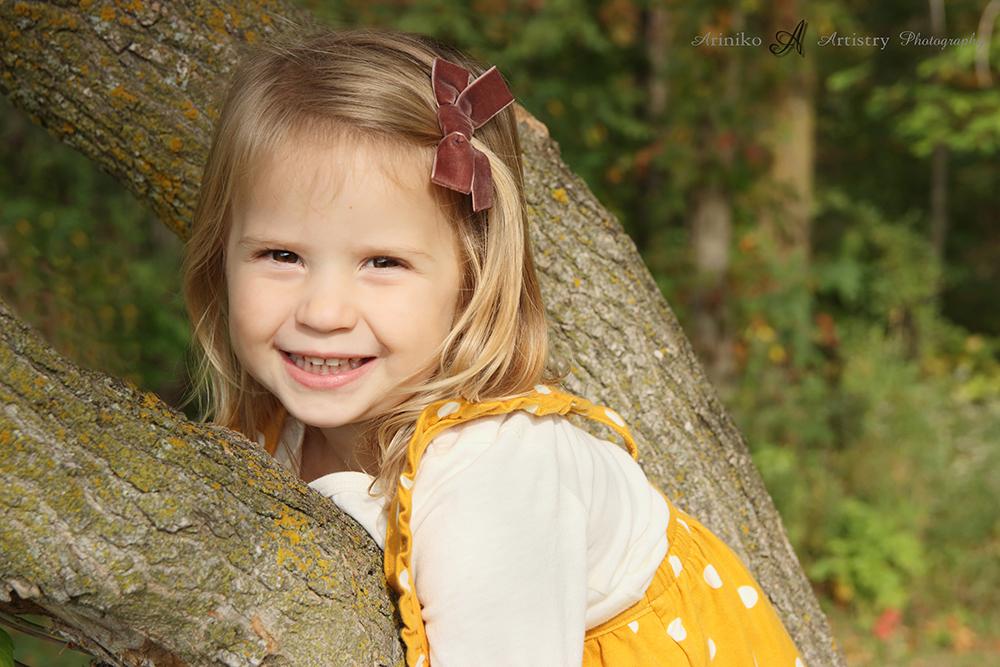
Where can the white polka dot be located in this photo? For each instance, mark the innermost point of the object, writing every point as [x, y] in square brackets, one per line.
[711, 649]
[404, 579]
[634, 627]
[421, 660]
[675, 563]
[684, 523]
[532, 409]
[798, 662]
[406, 482]
[613, 416]
[542, 389]
[676, 630]
[449, 408]
[712, 577]
[749, 595]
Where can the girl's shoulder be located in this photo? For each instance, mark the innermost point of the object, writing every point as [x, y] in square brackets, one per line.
[516, 446]
[543, 416]
[502, 430]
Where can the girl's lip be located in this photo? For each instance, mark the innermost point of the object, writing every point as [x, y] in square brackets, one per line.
[329, 381]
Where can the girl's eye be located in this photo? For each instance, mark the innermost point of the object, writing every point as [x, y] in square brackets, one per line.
[283, 256]
[382, 263]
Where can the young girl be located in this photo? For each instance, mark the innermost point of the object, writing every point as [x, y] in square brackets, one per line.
[361, 283]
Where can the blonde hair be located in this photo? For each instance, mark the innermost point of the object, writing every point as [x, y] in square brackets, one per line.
[373, 87]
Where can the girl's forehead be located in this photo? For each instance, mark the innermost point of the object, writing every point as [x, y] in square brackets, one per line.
[343, 151]
[319, 164]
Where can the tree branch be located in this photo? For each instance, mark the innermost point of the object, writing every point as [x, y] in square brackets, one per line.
[150, 536]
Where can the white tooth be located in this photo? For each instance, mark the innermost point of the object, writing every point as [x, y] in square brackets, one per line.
[355, 363]
[315, 360]
[334, 362]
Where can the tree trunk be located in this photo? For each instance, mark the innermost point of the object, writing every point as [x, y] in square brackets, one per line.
[939, 161]
[792, 147]
[791, 140]
[711, 328]
[153, 539]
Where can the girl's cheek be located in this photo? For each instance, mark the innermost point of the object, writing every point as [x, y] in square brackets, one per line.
[242, 301]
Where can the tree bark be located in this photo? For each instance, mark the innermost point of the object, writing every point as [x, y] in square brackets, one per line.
[153, 539]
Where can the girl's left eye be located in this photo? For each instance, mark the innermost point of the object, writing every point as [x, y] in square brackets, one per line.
[383, 263]
[283, 256]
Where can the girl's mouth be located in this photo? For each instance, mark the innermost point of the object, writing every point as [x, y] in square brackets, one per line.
[331, 366]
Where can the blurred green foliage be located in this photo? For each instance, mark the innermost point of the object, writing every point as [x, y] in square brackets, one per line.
[868, 373]
[85, 264]
[33, 651]
[6, 649]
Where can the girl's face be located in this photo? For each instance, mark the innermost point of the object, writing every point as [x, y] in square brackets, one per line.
[343, 275]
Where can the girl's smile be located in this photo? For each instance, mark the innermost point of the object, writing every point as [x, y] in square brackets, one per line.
[320, 373]
[343, 275]
[325, 366]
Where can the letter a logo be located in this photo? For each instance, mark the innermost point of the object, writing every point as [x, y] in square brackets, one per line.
[786, 39]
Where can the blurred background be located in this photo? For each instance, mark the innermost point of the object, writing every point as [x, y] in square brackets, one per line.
[826, 226]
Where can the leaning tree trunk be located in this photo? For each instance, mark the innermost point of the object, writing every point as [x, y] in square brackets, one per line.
[155, 541]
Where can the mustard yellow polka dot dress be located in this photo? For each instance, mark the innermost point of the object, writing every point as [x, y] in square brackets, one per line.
[702, 608]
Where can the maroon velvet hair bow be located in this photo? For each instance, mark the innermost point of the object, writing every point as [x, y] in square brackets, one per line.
[462, 108]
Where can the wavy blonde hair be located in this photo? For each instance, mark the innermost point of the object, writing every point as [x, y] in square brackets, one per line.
[372, 87]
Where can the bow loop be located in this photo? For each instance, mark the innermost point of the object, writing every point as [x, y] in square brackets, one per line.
[485, 97]
[449, 80]
[462, 108]
[453, 153]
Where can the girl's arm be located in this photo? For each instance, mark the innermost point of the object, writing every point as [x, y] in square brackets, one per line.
[499, 556]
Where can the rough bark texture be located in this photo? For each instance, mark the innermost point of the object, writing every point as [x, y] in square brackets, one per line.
[156, 540]
[152, 538]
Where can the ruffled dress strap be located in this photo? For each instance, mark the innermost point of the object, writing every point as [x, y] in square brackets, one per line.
[434, 419]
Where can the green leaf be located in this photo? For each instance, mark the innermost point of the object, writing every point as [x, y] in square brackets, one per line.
[6, 649]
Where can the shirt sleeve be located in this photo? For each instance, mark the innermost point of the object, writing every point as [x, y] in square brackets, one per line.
[499, 556]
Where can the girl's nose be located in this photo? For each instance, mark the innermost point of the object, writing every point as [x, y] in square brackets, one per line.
[325, 307]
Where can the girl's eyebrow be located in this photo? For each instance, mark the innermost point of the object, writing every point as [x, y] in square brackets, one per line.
[254, 240]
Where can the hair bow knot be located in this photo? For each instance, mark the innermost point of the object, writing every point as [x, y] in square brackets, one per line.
[464, 107]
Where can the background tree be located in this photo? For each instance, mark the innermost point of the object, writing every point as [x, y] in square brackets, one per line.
[237, 562]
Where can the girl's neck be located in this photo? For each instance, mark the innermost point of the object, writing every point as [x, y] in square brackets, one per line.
[331, 450]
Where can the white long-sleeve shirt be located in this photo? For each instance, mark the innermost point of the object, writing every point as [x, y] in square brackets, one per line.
[527, 531]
